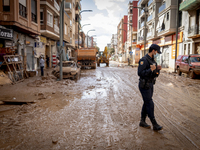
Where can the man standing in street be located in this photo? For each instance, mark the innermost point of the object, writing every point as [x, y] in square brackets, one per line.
[42, 65]
[148, 70]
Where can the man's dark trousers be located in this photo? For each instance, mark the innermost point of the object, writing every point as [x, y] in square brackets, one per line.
[42, 71]
[148, 106]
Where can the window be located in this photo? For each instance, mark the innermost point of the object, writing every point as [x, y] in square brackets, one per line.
[185, 49]
[65, 29]
[49, 19]
[6, 5]
[131, 11]
[153, 7]
[22, 8]
[34, 11]
[167, 16]
[41, 16]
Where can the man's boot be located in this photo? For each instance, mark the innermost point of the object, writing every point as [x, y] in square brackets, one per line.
[156, 126]
[144, 124]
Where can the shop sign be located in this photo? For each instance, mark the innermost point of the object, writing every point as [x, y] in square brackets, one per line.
[6, 33]
[8, 43]
[174, 50]
[28, 42]
[158, 42]
[58, 43]
[137, 47]
[180, 38]
[53, 43]
[162, 41]
[168, 40]
[43, 39]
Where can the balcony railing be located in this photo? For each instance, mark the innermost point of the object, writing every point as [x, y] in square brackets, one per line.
[161, 8]
[193, 30]
[150, 1]
[56, 5]
[142, 24]
[149, 34]
[150, 17]
[56, 28]
[141, 12]
[140, 38]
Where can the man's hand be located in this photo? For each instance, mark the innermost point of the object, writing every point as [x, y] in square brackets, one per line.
[159, 67]
[153, 67]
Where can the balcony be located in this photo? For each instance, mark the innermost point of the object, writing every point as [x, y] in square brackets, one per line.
[149, 34]
[193, 31]
[189, 5]
[68, 7]
[150, 1]
[56, 5]
[56, 28]
[141, 12]
[142, 24]
[161, 8]
[150, 18]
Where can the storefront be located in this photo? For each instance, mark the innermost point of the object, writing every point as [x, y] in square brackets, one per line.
[6, 37]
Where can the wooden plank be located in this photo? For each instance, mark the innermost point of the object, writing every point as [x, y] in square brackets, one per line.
[18, 101]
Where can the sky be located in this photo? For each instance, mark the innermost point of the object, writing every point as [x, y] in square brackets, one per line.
[104, 18]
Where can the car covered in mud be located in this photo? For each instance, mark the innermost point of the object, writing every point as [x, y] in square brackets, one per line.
[189, 64]
[70, 70]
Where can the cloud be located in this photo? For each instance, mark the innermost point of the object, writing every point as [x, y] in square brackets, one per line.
[105, 24]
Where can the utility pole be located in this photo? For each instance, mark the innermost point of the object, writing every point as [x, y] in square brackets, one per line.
[177, 24]
[61, 37]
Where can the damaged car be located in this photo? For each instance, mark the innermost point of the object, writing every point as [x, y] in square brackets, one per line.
[70, 70]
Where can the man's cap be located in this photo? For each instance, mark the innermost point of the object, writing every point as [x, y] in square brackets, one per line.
[156, 47]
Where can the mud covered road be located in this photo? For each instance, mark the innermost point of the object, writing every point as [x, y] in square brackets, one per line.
[100, 111]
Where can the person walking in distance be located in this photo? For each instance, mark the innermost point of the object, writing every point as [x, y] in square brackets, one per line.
[42, 65]
[148, 70]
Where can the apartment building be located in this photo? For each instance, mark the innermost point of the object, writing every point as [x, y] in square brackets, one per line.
[122, 35]
[132, 30]
[21, 23]
[191, 21]
[114, 42]
[160, 29]
[83, 37]
[77, 23]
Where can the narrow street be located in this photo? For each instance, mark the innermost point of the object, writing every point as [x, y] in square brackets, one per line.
[100, 111]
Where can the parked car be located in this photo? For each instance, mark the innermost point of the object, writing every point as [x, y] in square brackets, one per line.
[189, 64]
[70, 70]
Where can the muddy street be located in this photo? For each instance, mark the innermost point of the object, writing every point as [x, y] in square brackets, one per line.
[99, 111]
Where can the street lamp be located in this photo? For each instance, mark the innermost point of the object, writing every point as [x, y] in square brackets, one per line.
[145, 20]
[79, 20]
[82, 33]
[87, 35]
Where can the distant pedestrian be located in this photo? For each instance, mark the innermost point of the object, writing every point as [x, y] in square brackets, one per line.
[148, 70]
[47, 61]
[128, 61]
[42, 65]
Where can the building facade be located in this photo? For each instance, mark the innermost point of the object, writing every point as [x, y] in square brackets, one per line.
[22, 17]
[132, 30]
[160, 29]
[122, 35]
[191, 21]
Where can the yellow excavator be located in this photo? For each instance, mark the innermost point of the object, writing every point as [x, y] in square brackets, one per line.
[103, 58]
